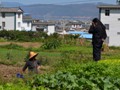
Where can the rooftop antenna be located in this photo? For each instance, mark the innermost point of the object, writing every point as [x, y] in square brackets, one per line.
[118, 2]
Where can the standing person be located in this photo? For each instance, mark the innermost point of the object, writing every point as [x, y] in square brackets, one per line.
[32, 64]
[97, 29]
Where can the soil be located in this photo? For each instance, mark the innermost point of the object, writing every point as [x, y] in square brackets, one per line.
[24, 44]
[9, 72]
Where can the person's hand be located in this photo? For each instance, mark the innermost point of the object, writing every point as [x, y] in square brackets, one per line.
[38, 67]
[103, 40]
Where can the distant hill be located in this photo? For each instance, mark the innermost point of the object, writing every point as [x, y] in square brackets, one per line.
[75, 11]
[50, 11]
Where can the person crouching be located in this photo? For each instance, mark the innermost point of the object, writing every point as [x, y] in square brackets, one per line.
[32, 64]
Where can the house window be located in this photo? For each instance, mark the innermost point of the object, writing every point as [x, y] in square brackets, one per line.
[107, 12]
[3, 25]
[118, 19]
[19, 24]
[107, 26]
[118, 33]
[19, 15]
[3, 15]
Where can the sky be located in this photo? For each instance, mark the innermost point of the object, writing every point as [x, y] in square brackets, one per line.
[27, 2]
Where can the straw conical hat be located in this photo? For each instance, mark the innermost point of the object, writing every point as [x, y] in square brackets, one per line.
[32, 54]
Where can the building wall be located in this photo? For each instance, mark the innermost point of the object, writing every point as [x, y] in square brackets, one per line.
[19, 22]
[26, 27]
[9, 21]
[114, 26]
[51, 29]
[34, 28]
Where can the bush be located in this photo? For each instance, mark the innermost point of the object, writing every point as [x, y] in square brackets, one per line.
[51, 44]
[16, 35]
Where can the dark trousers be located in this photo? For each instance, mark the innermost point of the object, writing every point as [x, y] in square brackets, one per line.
[97, 46]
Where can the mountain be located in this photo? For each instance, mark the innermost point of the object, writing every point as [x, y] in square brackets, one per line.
[50, 11]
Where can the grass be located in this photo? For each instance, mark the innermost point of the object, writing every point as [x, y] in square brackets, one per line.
[14, 54]
[11, 56]
[84, 49]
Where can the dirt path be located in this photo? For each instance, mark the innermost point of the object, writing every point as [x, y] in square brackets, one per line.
[24, 44]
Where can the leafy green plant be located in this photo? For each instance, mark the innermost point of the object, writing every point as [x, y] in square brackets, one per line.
[89, 76]
[51, 44]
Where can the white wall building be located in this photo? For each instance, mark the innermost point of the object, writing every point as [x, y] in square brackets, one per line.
[110, 16]
[47, 27]
[50, 29]
[27, 22]
[12, 19]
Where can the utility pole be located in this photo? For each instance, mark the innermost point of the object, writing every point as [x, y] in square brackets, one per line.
[63, 27]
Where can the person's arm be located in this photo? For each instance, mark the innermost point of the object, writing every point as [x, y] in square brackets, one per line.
[39, 64]
[91, 30]
[104, 34]
[25, 67]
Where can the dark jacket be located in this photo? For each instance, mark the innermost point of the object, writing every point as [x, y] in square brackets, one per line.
[98, 32]
[32, 66]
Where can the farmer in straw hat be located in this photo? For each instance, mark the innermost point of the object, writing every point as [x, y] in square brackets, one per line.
[32, 64]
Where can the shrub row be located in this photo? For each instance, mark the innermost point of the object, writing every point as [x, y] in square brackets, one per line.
[22, 35]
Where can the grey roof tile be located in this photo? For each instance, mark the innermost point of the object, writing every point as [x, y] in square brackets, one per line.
[8, 9]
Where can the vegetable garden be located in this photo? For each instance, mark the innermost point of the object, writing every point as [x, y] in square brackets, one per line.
[66, 64]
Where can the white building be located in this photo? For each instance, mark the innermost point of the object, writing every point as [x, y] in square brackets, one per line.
[47, 27]
[75, 25]
[27, 22]
[110, 16]
[12, 19]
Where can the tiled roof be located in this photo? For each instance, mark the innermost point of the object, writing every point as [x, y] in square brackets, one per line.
[7, 9]
[109, 6]
[74, 23]
[27, 18]
[43, 23]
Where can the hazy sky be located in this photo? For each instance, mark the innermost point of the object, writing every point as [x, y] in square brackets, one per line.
[59, 1]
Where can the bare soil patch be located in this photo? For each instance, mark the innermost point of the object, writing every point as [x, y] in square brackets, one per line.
[9, 72]
[24, 44]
